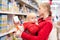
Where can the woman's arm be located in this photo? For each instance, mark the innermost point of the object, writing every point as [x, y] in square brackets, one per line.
[43, 33]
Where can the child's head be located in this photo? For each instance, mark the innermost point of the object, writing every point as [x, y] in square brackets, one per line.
[32, 17]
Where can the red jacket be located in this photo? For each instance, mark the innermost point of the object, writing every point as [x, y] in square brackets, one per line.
[31, 28]
[43, 34]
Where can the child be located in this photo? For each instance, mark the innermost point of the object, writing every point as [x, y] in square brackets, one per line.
[31, 26]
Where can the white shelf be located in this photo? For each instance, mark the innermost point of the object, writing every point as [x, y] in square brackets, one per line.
[7, 32]
[2, 12]
[29, 4]
[5, 12]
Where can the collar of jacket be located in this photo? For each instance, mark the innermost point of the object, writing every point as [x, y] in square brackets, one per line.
[41, 19]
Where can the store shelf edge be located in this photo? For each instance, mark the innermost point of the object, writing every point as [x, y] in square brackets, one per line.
[2, 12]
[7, 32]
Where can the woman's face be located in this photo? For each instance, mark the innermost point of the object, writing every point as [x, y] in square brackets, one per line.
[42, 11]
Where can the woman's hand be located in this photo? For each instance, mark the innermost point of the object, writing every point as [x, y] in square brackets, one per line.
[21, 28]
[18, 23]
[20, 31]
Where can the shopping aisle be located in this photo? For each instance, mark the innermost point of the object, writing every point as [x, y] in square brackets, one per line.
[22, 8]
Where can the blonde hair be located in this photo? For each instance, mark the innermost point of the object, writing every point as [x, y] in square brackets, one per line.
[46, 5]
[30, 15]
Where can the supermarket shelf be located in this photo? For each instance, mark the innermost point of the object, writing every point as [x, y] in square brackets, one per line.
[5, 12]
[28, 4]
[7, 32]
[2, 12]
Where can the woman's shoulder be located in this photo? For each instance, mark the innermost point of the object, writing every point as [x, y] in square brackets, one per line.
[49, 21]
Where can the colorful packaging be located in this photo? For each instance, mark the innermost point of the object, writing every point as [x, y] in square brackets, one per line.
[3, 5]
[4, 2]
[3, 23]
[13, 7]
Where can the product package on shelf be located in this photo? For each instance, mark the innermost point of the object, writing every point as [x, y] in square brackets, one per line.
[3, 5]
[24, 9]
[3, 23]
[13, 7]
[4, 2]
[10, 7]
[10, 24]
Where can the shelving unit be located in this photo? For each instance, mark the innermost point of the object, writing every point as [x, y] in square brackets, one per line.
[27, 3]
[7, 32]
[14, 13]
[11, 14]
[31, 6]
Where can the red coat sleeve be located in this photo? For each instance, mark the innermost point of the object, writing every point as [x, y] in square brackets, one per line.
[42, 35]
[25, 25]
[33, 28]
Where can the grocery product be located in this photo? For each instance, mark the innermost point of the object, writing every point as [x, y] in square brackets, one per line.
[13, 7]
[3, 5]
[4, 2]
[3, 23]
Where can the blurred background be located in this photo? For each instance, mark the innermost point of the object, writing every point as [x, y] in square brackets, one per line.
[22, 8]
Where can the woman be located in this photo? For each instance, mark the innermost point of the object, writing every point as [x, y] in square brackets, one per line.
[45, 24]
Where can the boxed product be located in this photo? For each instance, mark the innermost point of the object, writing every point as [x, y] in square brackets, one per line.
[13, 7]
[10, 7]
[0, 1]
[3, 5]
[3, 30]
[4, 2]
[3, 23]
[3, 17]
